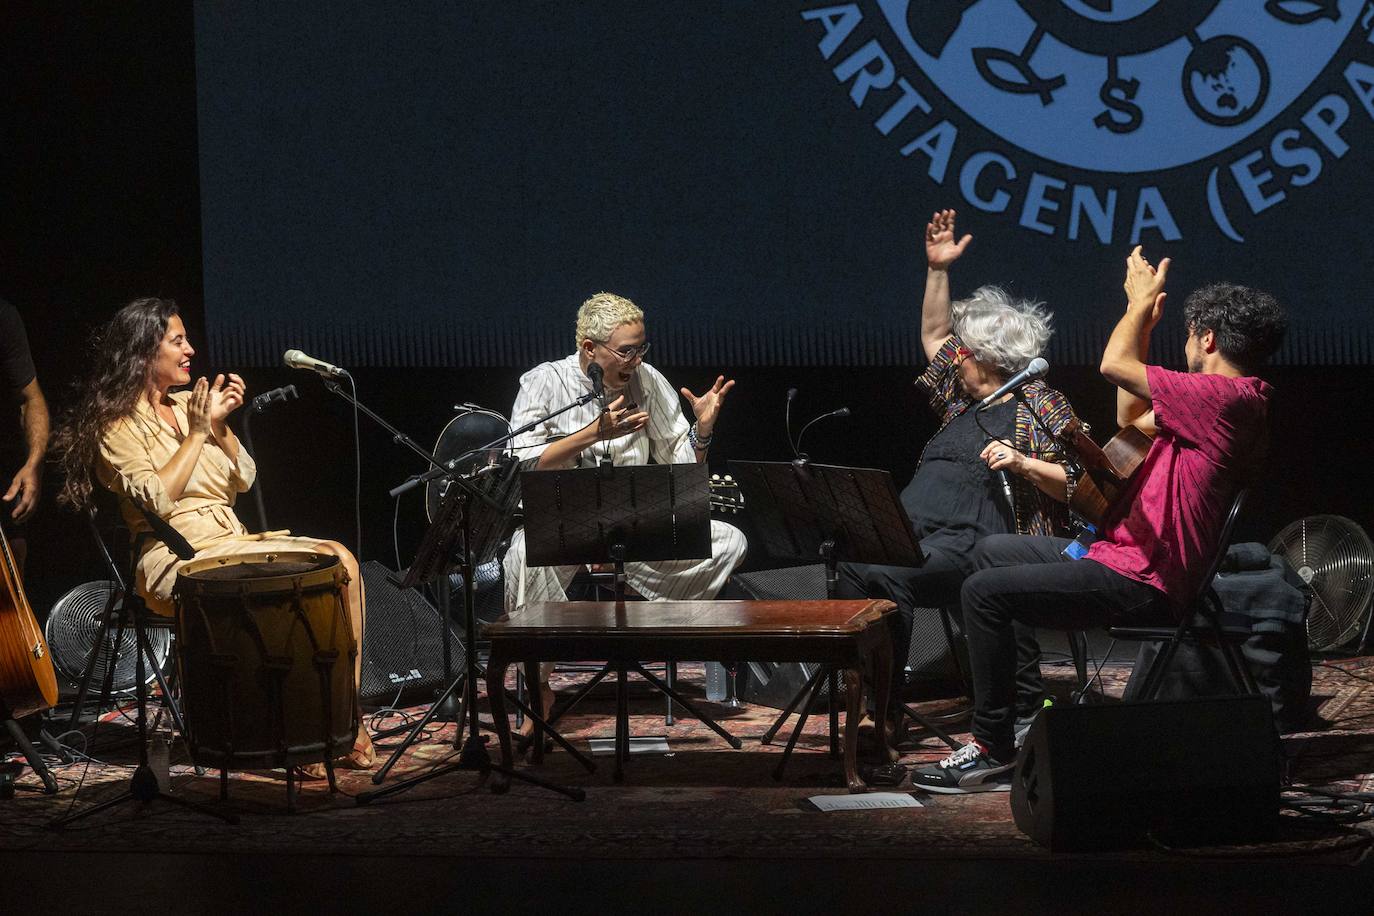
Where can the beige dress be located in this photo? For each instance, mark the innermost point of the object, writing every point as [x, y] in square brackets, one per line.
[133, 449]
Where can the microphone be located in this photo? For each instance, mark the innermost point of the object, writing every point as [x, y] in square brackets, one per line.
[276, 395]
[1005, 481]
[1036, 370]
[597, 375]
[842, 412]
[295, 359]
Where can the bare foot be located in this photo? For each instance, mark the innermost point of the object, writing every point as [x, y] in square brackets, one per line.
[362, 757]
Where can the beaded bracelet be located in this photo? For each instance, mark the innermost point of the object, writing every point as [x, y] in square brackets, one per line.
[697, 441]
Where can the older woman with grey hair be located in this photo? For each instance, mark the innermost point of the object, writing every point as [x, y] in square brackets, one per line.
[959, 491]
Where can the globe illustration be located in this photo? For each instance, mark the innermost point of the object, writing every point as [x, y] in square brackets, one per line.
[1225, 80]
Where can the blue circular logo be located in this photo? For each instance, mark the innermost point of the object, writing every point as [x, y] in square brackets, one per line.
[1122, 86]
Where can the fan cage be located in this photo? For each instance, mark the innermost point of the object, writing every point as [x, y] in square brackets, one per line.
[73, 628]
[1335, 557]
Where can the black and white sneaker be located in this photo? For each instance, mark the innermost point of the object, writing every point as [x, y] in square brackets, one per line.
[968, 769]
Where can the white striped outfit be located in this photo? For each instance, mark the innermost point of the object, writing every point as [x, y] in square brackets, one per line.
[549, 386]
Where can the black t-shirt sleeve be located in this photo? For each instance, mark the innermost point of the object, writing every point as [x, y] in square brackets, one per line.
[16, 362]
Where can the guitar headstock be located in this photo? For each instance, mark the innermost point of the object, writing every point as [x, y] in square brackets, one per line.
[725, 494]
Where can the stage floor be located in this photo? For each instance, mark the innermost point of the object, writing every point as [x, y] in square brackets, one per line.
[700, 816]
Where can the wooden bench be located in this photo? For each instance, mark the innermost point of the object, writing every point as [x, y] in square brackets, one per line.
[850, 636]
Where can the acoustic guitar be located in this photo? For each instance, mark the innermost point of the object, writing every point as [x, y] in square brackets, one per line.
[28, 683]
[1107, 470]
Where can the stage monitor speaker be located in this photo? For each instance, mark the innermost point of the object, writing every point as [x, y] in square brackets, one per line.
[1188, 771]
[776, 683]
[403, 650]
[929, 662]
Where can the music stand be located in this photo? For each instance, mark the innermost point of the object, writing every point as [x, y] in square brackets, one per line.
[584, 516]
[471, 523]
[854, 515]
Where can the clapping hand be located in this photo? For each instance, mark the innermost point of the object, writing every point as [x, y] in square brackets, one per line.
[1145, 285]
[225, 398]
[198, 407]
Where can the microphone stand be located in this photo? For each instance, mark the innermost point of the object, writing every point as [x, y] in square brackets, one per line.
[258, 405]
[473, 753]
[396, 434]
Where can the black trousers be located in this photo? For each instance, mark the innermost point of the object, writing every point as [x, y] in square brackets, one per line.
[1027, 581]
[934, 585]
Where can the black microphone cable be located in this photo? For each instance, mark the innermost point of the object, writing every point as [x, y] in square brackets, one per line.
[357, 474]
[787, 420]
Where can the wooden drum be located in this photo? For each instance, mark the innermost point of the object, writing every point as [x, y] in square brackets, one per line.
[266, 656]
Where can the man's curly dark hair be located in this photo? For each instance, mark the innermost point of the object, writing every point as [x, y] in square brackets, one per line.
[1248, 324]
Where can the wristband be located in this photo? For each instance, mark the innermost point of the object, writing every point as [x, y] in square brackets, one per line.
[698, 442]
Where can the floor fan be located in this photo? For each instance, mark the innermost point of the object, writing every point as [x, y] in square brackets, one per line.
[1335, 558]
[74, 627]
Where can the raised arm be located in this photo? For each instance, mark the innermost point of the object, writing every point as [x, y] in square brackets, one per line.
[941, 251]
[1130, 409]
[1123, 361]
[176, 473]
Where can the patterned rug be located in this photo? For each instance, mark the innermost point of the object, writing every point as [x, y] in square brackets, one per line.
[700, 799]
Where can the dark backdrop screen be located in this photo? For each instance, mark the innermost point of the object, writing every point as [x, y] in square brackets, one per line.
[440, 184]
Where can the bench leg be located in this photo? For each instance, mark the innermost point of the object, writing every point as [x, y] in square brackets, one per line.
[853, 710]
[833, 682]
[496, 696]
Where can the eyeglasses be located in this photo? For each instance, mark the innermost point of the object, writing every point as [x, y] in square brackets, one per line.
[626, 354]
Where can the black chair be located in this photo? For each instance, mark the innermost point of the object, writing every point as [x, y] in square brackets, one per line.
[1201, 624]
[121, 605]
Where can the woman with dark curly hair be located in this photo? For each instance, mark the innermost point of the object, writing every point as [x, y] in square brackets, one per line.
[173, 453]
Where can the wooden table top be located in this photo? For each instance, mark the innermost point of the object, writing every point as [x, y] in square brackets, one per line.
[552, 619]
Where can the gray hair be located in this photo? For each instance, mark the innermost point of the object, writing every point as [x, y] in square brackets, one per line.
[1000, 330]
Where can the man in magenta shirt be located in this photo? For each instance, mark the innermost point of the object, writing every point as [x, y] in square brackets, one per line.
[1210, 429]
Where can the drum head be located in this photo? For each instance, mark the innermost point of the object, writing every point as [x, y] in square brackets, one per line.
[258, 571]
[473, 428]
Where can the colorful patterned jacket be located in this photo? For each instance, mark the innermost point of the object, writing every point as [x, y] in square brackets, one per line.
[1036, 511]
